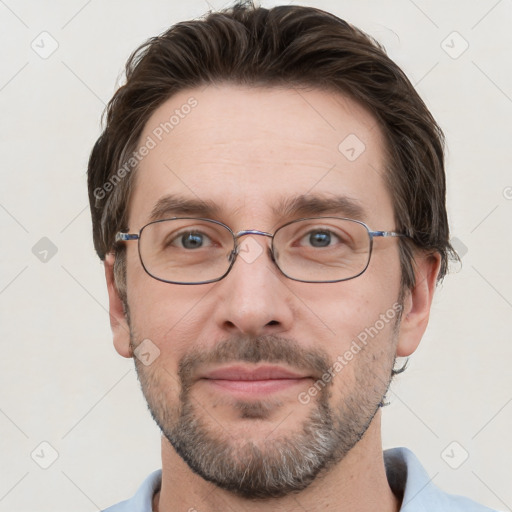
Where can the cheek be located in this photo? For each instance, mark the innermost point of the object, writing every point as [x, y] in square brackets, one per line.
[340, 312]
[171, 316]
[361, 366]
[156, 306]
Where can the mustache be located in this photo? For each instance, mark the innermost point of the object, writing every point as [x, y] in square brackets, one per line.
[255, 349]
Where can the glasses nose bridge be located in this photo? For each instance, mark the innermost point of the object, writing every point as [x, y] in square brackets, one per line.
[246, 232]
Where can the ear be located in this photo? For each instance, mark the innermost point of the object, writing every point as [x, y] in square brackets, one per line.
[417, 303]
[118, 320]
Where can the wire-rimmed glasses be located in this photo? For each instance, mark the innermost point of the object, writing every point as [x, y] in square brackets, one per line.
[188, 250]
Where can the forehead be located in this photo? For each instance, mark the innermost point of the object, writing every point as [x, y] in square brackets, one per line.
[248, 153]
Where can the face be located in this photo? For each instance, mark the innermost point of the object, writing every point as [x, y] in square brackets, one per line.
[263, 383]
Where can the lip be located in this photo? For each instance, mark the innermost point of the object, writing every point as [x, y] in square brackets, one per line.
[244, 373]
[246, 382]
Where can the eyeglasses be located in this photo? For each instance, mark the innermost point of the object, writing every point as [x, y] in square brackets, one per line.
[198, 251]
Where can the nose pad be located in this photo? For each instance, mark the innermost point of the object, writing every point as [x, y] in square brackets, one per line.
[238, 247]
[233, 254]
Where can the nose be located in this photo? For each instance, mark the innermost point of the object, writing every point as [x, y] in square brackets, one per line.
[254, 298]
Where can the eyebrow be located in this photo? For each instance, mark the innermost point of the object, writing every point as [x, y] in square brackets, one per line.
[311, 205]
[175, 205]
[304, 205]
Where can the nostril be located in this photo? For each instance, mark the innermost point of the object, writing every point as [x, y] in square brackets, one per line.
[273, 322]
[229, 325]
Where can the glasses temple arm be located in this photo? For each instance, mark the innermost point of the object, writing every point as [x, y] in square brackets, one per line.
[125, 236]
[388, 233]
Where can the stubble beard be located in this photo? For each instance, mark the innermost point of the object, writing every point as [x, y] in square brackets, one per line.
[285, 462]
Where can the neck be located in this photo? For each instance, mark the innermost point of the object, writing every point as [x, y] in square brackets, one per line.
[357, 484]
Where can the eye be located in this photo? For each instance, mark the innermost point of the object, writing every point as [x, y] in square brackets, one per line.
[320, 238]
[191, 240]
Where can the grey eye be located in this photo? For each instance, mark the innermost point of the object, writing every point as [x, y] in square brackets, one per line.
[320, 239]
[192, 240]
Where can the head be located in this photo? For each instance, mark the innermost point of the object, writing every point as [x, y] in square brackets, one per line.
[255, 118]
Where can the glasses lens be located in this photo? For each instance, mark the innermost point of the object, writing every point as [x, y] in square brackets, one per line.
[322, 249]
[186, 250]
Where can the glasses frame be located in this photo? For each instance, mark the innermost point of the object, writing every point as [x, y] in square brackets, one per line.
[127, 237]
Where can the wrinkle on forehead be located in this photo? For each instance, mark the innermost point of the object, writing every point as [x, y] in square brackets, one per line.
[254, 146]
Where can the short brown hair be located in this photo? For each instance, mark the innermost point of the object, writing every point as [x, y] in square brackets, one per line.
[291, 46]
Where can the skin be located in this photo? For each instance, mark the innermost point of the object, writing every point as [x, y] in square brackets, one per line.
[245, 149]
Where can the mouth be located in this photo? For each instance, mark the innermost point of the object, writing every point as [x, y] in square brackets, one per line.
[244, 381]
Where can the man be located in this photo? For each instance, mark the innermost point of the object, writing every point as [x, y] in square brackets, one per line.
[268, 197]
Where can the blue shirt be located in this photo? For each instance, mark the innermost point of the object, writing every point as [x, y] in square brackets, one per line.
[405, 476]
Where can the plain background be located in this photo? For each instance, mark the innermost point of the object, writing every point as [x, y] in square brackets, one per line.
[61, 381]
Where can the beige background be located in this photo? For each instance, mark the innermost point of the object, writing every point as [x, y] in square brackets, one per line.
[61, 381]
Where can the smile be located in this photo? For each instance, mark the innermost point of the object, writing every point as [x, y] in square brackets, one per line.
[265, 380]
